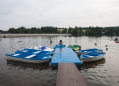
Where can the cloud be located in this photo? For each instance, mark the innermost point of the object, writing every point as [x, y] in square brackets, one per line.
[58, 13]
[6, 12]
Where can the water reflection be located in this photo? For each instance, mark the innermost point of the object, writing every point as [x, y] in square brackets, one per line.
[92, 64]
[28, 65]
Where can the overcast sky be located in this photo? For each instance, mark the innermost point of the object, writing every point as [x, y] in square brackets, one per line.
[58, 13]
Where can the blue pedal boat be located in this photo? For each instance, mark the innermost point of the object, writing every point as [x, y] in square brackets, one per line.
[92, 56]
[29, 57]
[80, 52]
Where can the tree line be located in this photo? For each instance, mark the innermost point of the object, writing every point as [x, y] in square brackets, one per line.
[77, 31]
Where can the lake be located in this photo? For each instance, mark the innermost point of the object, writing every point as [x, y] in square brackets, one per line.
[100, 73]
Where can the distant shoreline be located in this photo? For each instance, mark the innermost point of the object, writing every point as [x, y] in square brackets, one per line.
[29, 35]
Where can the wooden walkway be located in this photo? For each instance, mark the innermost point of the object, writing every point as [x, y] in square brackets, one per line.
[69, 75]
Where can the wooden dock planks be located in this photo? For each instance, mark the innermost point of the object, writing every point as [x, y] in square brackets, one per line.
[69, 75]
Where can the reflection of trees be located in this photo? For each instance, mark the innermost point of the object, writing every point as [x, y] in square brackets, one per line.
[92, 64]
[28, 65]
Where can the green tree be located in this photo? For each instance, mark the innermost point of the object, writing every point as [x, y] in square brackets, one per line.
[11, 30]
[65, 30]
[34, 30]
[59, 31]
[80, 31]
[69, 30]
[110, 31]
[94, 31]
[75, 31]
[0, 31]
[117, 32]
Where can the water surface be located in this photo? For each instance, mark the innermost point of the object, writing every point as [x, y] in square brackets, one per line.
[100, 73]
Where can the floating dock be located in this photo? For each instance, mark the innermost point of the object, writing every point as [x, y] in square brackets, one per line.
[67, 56]
[69, 75]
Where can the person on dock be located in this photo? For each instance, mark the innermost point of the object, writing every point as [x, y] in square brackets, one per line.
[50, 40]
[60, 46]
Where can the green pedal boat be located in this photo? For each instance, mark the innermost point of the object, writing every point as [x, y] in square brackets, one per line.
[74, 47]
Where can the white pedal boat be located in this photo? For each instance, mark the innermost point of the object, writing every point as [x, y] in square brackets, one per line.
[44, 48]
[93, 56]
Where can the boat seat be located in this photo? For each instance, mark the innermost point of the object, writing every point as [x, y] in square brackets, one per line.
[30, 56]
[24, 50]
[37, 52]
[16, 54]
[44, 57]
[90, 56]
[86, 55]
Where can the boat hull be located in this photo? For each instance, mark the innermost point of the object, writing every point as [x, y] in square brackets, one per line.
[28, 60]
[95, 58]
[80, 53]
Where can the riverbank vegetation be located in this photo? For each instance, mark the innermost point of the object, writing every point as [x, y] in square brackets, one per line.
[77, 31]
